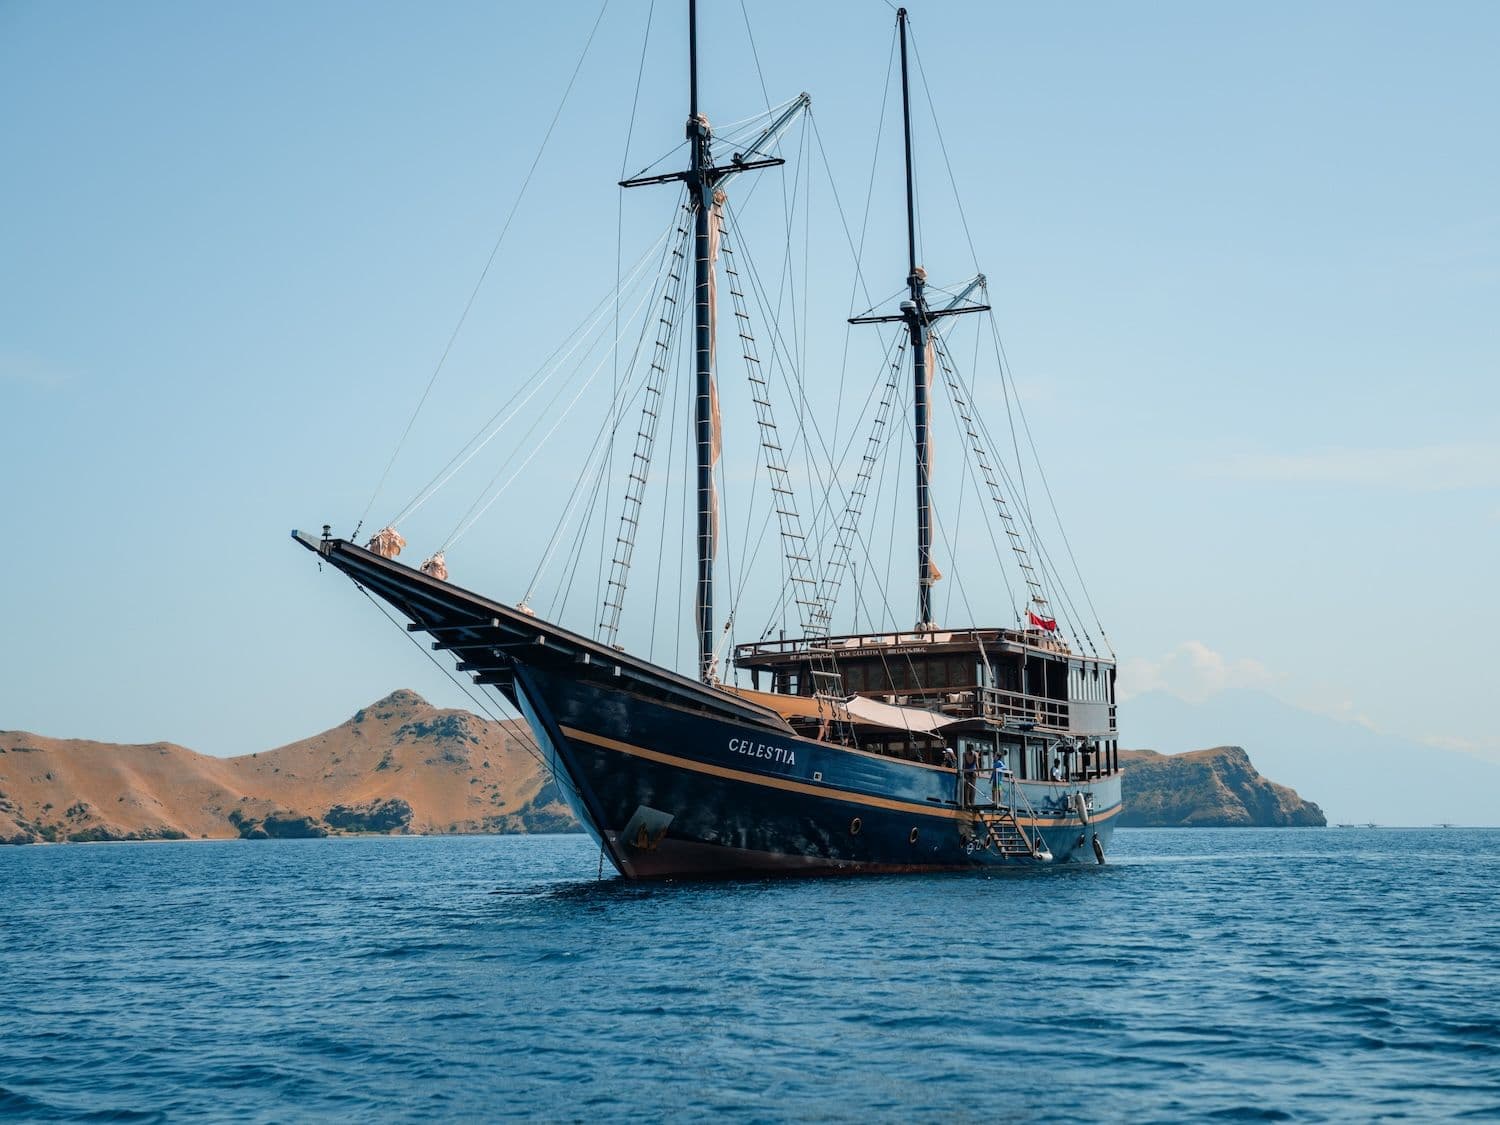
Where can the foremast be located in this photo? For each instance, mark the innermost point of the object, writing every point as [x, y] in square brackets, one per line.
[704, 180]
[700, 188]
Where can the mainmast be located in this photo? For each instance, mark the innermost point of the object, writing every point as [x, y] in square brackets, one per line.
[704, 180]
[918, 319]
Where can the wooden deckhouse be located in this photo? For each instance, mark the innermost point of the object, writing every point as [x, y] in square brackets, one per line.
[1021, 692]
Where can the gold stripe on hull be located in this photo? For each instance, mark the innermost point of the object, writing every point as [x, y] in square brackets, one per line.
[791, 785]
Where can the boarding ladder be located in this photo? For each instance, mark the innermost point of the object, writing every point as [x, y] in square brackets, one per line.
[998, 828]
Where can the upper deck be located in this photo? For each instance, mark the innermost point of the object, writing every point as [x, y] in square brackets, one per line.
[1003, 676]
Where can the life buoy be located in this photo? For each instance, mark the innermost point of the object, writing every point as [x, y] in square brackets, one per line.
[913, 836]
[854, 826]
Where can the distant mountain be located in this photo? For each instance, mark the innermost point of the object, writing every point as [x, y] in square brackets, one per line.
[1356, 774]
[1216, 788]
[399, 765]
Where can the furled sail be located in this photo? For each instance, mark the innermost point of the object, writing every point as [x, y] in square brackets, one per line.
[715, 236]
[930, 353]
[387, 543]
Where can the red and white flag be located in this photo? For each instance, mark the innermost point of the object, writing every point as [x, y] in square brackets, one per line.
[1047, 623]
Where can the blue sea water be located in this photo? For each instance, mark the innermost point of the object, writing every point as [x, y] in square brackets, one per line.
[1302, 974]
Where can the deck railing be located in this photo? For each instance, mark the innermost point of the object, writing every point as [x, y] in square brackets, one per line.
[998, 705]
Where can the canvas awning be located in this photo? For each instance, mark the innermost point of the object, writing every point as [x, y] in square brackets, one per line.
[915, 720]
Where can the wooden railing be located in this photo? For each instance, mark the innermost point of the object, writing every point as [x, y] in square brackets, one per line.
[998, 705]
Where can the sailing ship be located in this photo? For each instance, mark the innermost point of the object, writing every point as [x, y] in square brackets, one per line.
[937, 747]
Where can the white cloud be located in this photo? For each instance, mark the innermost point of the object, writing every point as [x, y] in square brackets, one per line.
[1191, 671]
[1428, 468]
[1486, 749]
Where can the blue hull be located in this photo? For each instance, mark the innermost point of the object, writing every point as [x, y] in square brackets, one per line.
[666, 792]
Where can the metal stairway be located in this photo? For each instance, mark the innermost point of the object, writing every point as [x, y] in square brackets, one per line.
[1001, 832]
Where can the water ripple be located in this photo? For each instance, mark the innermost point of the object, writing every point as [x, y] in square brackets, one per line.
[1202, 975]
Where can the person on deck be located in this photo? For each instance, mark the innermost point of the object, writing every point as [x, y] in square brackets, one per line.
[997, 782]
[1057, 770]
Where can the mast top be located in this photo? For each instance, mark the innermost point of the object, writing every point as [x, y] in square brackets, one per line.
[692, 61]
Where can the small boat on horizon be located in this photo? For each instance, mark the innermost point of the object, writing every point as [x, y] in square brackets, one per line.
[935, 747]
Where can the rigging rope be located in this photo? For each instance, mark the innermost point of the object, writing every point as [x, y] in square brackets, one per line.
[594, 465]
[490, 261]
[976, 447]
[549, 368]
[1045, 575]
[463, 527]
[828, 590]
[969, 237]
[1008, 377]
[783, 498]
[635, 102]
[518, 725]
[943, 147]
[673, 291]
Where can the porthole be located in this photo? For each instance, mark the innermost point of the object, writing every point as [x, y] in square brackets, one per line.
[854, 826]
[913, 836]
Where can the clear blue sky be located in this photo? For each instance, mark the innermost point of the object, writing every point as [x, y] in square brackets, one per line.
[1245, 259]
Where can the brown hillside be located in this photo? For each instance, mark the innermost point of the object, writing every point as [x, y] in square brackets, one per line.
[398, 765]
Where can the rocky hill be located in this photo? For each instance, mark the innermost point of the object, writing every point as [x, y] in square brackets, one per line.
[399, 765]
[1216, 788]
